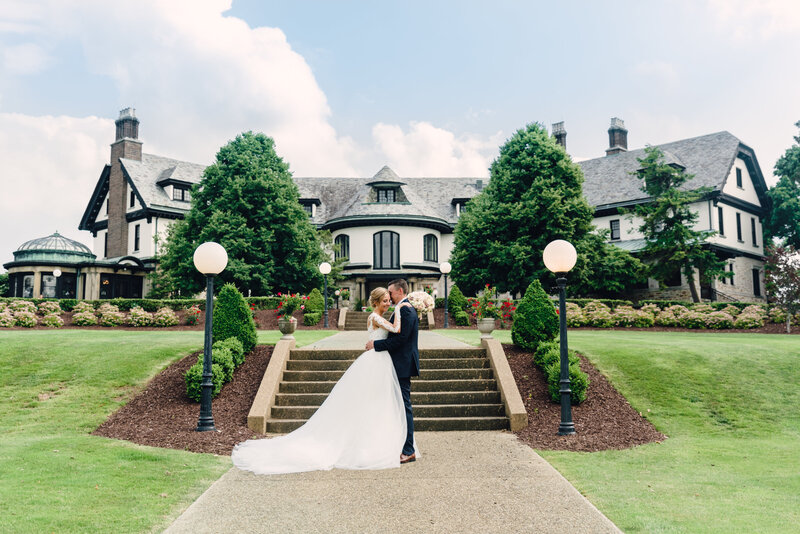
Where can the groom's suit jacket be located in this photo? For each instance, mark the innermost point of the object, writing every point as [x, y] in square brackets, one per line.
[402, 347]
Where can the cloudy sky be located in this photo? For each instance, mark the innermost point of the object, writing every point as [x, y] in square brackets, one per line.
[429, 88]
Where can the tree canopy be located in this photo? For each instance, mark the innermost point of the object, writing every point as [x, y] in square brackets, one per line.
[248, 203]
[783, 219]
[535, 195]
[668, 221]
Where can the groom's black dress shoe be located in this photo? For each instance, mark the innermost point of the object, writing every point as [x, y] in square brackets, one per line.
[404, 459]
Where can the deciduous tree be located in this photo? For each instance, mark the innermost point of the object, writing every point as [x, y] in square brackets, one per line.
[783, 219]
[783, 279]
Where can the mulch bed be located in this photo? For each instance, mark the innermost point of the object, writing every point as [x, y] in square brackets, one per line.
[162, 416]
[605, 420]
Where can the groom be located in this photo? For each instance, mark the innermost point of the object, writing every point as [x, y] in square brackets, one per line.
[403, 349]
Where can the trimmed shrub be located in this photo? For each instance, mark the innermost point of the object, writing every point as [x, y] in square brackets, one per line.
[701, 308]
[111, 318]
[312, 318]
[223, 357]
[719, 320]
[535, 320]
[598, 315]
[777, 315]
[107, 307]
[692, 319]
[755, 309]
[748, 320]
[579, 381]
[22, 305]
[235, 348]
[455, 300]
[53, 321]
[25, 319]
[68, 304]
[733, 311]
[7, 319]
[84, 319]
[233, 318]
[139, 317]
[315, 302]
[666, 318]
[194, 381]
[610, 303]
[264, 303]
[83, 307]
[650, 308]
[548, 358]
[165, 317]
[49, 307]
[461, 318]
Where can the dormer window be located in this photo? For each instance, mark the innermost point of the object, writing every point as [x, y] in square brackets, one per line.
[387, 195]
[181, 194]
[310, 205]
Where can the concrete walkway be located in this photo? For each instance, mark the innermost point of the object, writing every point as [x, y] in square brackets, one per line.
[465, 482]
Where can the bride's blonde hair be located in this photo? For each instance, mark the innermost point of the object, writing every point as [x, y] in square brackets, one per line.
[376, 296]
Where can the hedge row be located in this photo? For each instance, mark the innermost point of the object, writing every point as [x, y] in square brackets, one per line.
[24, 313]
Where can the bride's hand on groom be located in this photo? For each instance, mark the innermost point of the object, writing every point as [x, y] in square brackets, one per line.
[370, 345]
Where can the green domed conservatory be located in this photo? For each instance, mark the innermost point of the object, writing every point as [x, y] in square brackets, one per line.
[58, 267]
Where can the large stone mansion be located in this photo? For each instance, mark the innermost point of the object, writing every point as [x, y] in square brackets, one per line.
[386, 225]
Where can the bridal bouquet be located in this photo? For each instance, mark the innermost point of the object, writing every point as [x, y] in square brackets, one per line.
[421, 301]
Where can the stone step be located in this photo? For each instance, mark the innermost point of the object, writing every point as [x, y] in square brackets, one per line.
[429, 363]
[421, 424]
[352, 354]
[424, 374]
[416, 385]
[423, 410]
[418, 398]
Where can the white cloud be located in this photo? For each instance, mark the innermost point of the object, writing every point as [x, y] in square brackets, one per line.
[50, 167]
[762, 18]
[426, 150]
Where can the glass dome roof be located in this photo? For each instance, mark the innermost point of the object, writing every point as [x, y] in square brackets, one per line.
[54, 247]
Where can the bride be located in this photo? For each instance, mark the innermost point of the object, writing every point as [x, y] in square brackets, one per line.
[361, 425]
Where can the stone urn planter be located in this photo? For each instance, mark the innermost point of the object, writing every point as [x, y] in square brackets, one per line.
[345, 304]
[287, 327]
[486, 326]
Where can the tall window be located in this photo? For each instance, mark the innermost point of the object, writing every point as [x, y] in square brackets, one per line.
[105, 245]
[615, 229]
[430, 248]
[136, 236]
[753, 230]
[739, 226]
[386, 195]
[133, 199]
[386, 250]
[341, 248]
[721, 221]
[733, 275]
[309, 208]
[738, 177]
[756, 283]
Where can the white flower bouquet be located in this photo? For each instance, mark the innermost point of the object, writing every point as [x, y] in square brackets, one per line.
[421, 301]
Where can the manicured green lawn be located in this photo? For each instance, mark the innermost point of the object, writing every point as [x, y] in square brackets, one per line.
[56, 387]
[729, 404]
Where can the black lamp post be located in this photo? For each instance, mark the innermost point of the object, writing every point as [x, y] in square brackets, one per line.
[559, 257]
[210, 259]
[445, 268]
[325, 269]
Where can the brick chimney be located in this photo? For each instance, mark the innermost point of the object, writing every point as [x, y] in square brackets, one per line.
[617, 137]
[560, 133]
[128, 146]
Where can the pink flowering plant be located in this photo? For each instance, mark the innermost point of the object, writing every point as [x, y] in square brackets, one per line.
[139, 317]
[193, 315]
[484, 307]
[53, 321]
[290, 303]
[25, 319]
[165, 317]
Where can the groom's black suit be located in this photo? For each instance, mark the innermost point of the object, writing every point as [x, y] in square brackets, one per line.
[402, 347]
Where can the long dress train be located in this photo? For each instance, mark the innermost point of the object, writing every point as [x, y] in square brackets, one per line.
[361, 425]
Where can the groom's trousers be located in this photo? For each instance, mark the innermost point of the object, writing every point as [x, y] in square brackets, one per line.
[405, 389]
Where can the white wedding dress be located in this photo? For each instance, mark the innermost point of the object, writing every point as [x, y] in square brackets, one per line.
[361, 425]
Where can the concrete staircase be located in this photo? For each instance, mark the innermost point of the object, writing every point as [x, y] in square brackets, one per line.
[456, 389]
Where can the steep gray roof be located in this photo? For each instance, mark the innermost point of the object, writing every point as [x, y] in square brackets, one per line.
[608, 180]
[146, 174]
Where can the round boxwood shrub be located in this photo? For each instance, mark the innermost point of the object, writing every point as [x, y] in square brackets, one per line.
[233, 318]
[194, 381]
[455, 300]
[461, 318]
[315, 303]
[312, 318]
[535, 320]
[579, 381]
[235, 346]
[223, 357]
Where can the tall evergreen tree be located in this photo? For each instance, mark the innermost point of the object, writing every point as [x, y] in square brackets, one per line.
[668, 221]
[534, 196]
[248, 203]
[783, 219]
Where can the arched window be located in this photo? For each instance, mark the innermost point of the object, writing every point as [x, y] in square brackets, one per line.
[341, 247]
[386, 250]
[430, 248]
